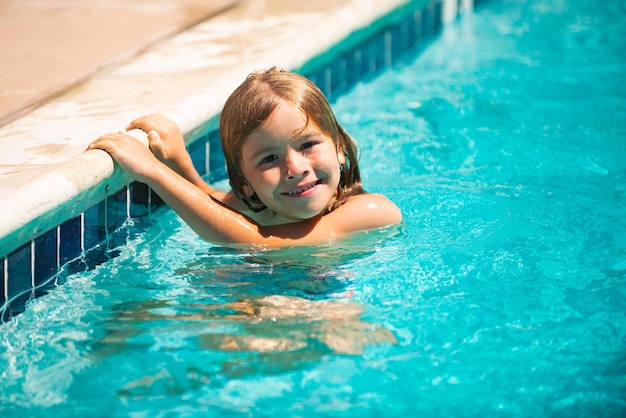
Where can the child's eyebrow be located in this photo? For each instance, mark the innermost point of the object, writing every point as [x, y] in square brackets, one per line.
[306, 132]
[269, 148]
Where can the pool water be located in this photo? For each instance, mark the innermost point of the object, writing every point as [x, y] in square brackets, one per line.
[504, 294]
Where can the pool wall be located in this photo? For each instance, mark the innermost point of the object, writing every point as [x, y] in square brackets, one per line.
[59, 215]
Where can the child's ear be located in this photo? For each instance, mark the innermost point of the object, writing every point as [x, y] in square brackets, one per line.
[247, 190]
[341, 156]
[251, 199]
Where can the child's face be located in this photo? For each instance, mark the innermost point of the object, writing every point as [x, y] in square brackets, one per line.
[292, 166]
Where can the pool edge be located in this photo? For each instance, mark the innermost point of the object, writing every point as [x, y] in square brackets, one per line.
[89, 181]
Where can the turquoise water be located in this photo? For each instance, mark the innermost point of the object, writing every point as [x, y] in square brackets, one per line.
[503, 295]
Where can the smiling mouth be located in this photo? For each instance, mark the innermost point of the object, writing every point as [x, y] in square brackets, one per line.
[301, 190]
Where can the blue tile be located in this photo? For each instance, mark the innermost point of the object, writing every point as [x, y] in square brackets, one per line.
[370, 50]
[46, 261]
[95, 225]
[2, 296]
[216, 156]
[198, 153]
[215, 139]
[438, 10]
[139, 200]
[44, 288]
[117, 210]
[353, 65]
[388, 48]
[311, 77]
[321, 78]
[16, 306]
[338, 74]
[5, 315]
[400, 39]
[75, 266]
[427, 23]
[317, 78]
[70, 240]
[361, 64]
[431, 19]
[327, 74]
[155, 200]
[380, 51]
[19, 272]
[416, 27]
[217, 175]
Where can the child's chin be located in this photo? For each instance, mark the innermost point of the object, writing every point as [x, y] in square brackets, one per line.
[303, 216]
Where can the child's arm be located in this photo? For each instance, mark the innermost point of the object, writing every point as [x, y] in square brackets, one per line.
[202, 211]
[218, 223]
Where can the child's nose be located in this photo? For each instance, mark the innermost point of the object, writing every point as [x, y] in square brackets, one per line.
[295, 166]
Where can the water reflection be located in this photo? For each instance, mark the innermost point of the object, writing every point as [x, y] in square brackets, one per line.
[243, 315]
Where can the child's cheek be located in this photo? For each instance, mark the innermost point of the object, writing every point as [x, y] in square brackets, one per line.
[266, 181]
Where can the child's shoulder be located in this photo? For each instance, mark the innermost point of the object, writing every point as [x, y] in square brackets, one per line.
[229, 199]
[368, 211]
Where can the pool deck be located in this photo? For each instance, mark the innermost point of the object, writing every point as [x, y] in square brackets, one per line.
[47, 46]
[59, 92]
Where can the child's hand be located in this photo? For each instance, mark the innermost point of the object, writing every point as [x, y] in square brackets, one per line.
[165, 139]
[132, 155]
[168, 145]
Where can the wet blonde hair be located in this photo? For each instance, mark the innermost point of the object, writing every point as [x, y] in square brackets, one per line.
[254, 101]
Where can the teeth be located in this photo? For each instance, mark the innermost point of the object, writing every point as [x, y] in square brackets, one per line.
[302, 190]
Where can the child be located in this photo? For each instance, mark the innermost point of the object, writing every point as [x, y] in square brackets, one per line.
[293, 169]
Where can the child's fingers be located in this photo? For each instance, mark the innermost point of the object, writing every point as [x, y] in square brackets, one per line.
[154, 139]
[147, 123]
[114, 142]
[156, 145]
[109, 143]
[102, 141]
[144, 123]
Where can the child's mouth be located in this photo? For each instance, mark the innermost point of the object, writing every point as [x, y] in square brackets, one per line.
[302, 190]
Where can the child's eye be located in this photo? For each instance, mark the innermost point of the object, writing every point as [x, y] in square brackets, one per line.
[308, 145]
[268, 159]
